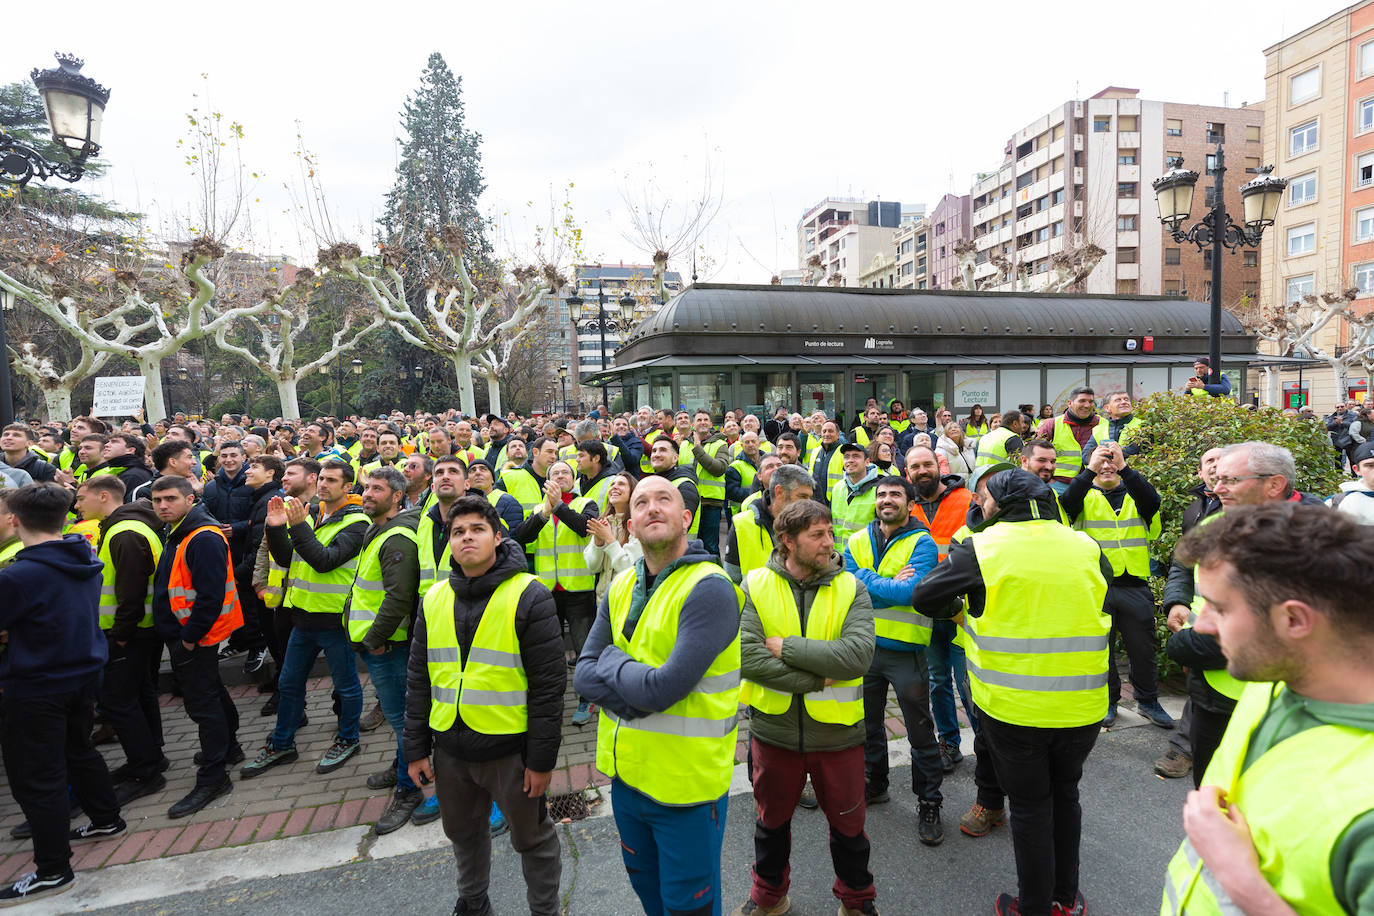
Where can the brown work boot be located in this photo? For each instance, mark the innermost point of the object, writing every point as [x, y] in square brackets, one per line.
[1174, 765]
[979, 820]
[373, 719]
[750, 908]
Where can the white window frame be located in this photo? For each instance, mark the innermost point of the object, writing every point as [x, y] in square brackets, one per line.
[1298, 182]
[1366, 49]
[1364, 115]
[1315, 126]
[1306, 284]
[1316, 73]
[1366, 287]
[1362, 160]
[1364, 224]
[1303, 231]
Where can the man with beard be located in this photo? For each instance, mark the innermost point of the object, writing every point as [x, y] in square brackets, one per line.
[418, 470]
[450, 484]
[1041, 459]
[751, 536]
[1004, 442]
[889, 557]
[1070, 433]
[789, 449]
[663, 458]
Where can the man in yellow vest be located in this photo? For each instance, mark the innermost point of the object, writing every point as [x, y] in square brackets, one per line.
[1036, 642]
[664, 457]
[378, 618]
[826, 461]
[1117, 423]
[130, 545]
[710, 457]
[751, 535]
[1283, 822]
[10, 544]
[889, 556]
[662, 662]
[1205, 383]
[1070, 432]
[1004, 442]
[806, 640]
[484, 706]
[1119, 509]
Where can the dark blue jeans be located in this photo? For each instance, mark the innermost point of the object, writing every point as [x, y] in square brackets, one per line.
[388, 674]
[302, 649]
[672, 854]
[909, 677]
[947, 673]
[709, 531]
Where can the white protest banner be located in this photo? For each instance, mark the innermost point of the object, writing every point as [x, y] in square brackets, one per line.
[117, 395]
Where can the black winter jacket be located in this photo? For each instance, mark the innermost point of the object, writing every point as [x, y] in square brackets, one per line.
[40, 470]
[257, 528]
[207, 559]
[51, 612]
[283, 542]
[134, 565]
[230, 500]
[541, 653]
[132, 471]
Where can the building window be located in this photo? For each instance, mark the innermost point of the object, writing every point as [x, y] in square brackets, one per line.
[1125, 256]
[1302, 239]
[1366, 59]
[1303, 189]
[1126, 157]
[1211, 163]
[1364, 224]
[1126, 189]
[1252, 132]
[1303, 138]
[1252, 164]
[1173, 127]
[940, 229]
[1102, 124]
[1206, 259]
[1364, 170]
[1209, 197]
[1056, 229]
[1172, 288]
[1127, 287]
[1024, 181]
[1216, 132]
[1366, 116]
[1057, 165]
[1249, 259]
[1250, 288]
[1125, 223]
[1298, 287]
[1305, 86]
[1056, 197]
[1364, 278]
[1172, 255]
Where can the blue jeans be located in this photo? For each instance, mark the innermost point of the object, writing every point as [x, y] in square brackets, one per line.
[388, 674]
[302, 649]
[672, 854]
[947, 671]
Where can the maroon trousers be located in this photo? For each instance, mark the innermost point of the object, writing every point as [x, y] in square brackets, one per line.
[838, 778]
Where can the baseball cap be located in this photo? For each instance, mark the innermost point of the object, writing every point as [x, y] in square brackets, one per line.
[853, 447]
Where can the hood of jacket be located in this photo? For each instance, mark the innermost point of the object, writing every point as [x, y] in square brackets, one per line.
[588, 484]
[125, 461]
[196, 518]
[677, 471]
[510, 559]
[867, 482]
[140, 510]
[833, 569]
[1021, 497]
[71, 557]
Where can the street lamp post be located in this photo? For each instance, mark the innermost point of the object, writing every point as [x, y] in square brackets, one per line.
[6, 396]
[563, 384]
[1260, 201]
[577, 312]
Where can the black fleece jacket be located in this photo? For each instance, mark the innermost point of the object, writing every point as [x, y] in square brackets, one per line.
[257, 528]
[230, 500]
[134, 565]
[40, 470]
[51, 612]
[283, 541]
[207, 559]
[541, 654]
[132, 471]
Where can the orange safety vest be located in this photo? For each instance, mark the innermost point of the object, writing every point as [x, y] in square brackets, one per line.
[949, 518]
[182, 595]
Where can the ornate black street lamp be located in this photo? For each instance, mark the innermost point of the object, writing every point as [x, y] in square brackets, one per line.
[626, 320]
[75, 106]
[1260, 201]
[563, 383]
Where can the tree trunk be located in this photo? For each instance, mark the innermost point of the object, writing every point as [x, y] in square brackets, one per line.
[1273, 394]
[286, 393]
[1339, 370]
[154, 405]
[59, 402]
[494, 396]
[467, 398]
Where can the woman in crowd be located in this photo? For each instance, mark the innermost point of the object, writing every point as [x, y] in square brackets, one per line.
[957, 451]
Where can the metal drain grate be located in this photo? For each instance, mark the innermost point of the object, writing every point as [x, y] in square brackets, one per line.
[571, 806]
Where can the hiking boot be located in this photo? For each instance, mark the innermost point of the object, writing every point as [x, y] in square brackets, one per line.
[373, 719]
[808, 797]
[1079, 908]
[383, 780]
[979, 820]
[336, 756]
[1007, 905]
[267, 758]
[950, 757]
[232, 756]
[1110, 718]
[496, 822]
[255, 660]
[875, 798]
[466, 908]
[398, 812]
[867, 908]
[750, 908]
[21, 831]
[34, 886]
[199, 797]
[99, 832]
[427, 811]
[132, 789]
[1157, 714]
[930, 828]
[1174, 765]
[583, 715]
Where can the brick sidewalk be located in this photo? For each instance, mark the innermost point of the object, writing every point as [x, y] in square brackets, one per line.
[286, 801]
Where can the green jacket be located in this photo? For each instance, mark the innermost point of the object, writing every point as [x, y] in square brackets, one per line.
[805, 664]
[400, 578]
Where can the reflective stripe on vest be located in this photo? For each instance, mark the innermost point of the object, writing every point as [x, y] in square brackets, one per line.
[1068, 453]
[1102, 432]
[693, 528]
[324, 592]
[1123, 536]
[1295, 833]
[490, 689]
[842, 703]
[752, 540]
[109, 601]
[1038, 654]
[747, 472]
[851, 513]
[709, 485]
[424, 550]
[834, 470]
[368, 590]
[685, 754]
[558, 558]
[181, 596]
[900, 623]
[992, 448]
[275, 589]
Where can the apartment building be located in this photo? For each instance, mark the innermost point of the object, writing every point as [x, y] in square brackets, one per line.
[951, 222]
[1319, 134]
[1080, 176]
[911, 255]
[584, 337]
[846, 232]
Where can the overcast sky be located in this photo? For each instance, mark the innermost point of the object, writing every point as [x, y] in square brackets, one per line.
[790, 101]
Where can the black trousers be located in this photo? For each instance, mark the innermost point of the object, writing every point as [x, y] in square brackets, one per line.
[46, 743]
[128, 701]
[1132, 609]
[1205, 733]
[276, 627]
[252, 636]
[208, 705]
[578, 611]
[990, 794]
[909, 675]
[1039, 768]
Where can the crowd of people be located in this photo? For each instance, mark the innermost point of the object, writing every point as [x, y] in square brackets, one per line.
[689, 568]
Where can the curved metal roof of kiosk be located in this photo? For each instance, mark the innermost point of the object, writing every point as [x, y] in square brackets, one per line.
[729, 319]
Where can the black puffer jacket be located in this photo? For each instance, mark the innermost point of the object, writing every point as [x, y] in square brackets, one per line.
[230, 500]
[541, 653]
